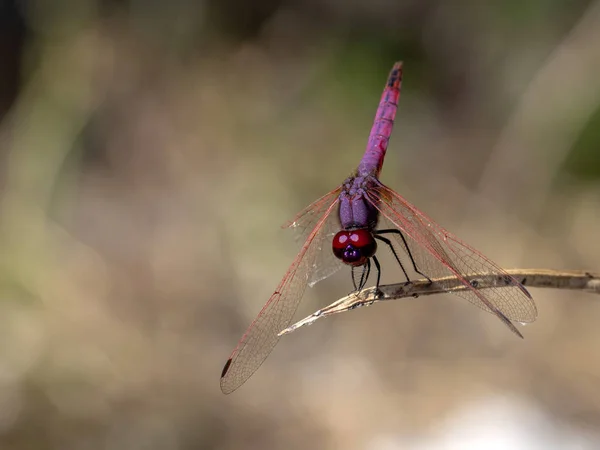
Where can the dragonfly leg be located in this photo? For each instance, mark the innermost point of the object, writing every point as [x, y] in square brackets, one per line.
[389, 244]
[365, 272]
[394, 231]
[378, 292]
[354, 280]
[365, 275]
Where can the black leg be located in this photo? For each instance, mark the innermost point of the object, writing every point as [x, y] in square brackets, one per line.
[378, 292]
[394, 231]
[354, 279]
[365, 274]
[389, 244]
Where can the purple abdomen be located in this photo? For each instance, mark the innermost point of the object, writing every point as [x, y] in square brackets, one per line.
[372, 160]
[356, 211]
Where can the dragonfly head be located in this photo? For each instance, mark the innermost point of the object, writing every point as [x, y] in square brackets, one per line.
[354, 247]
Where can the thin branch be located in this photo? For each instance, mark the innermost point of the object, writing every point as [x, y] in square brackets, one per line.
[539, 278]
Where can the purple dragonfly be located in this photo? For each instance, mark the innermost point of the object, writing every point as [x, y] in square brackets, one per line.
[358, 214]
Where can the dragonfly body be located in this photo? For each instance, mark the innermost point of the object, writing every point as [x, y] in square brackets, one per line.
[355, 243]
[360, 203]
[372, 161]
[356, 211]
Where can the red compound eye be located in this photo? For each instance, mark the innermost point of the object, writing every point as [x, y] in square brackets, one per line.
[354, 247]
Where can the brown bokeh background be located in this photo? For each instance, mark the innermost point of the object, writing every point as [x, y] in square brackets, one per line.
[150, 151]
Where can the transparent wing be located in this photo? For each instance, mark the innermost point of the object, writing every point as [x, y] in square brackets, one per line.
[261, 337]
[325, 264]
[438, 253]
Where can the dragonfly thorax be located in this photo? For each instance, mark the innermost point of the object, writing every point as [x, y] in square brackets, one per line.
[354, 247]
[355, 208]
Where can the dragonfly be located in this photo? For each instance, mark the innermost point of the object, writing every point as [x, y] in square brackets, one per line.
[351, 220]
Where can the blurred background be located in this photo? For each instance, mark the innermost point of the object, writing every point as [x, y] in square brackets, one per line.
[150, 152]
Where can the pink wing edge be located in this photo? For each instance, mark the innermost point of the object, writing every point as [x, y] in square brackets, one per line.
[227, 371]
[397, 219]
[313, 206]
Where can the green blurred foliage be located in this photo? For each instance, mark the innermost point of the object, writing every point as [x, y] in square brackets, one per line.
[583, 162]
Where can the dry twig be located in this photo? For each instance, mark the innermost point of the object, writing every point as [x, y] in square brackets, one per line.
[539, 278]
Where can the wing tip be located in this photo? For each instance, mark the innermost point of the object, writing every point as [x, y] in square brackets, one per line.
[525, 291]
[508, 323]
[224, 385]
[226, 367]
[518, 333]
